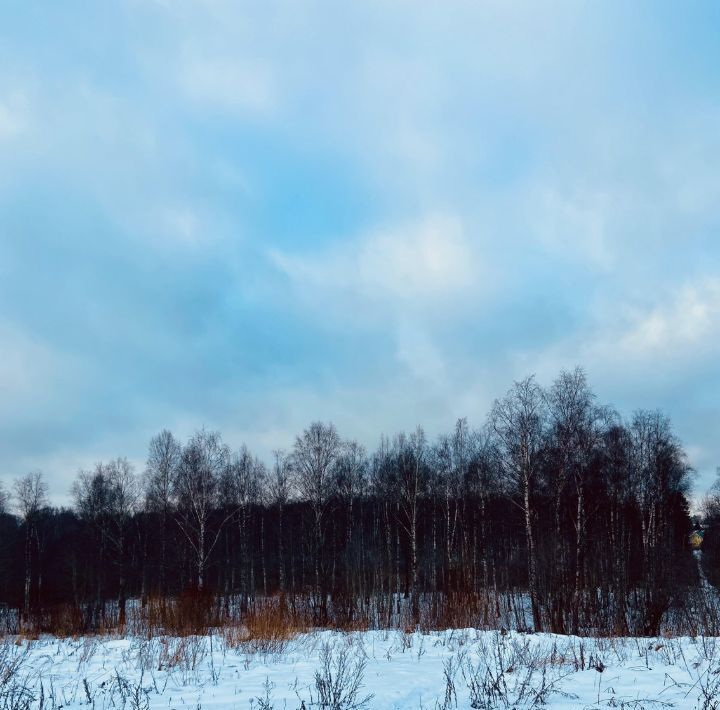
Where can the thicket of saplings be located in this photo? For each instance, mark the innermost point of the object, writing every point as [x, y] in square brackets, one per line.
[556, 515]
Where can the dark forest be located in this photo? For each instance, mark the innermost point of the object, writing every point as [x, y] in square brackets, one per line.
[556, 514]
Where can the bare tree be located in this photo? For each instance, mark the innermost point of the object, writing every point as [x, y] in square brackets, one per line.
[91, 493]
[350, 482]
[441, 489]
[483, 483]
[314, 458]
[4, 499]
[660, 473]
[108, 498]
[452, 457]
[245, 476]
[463, 447]
[383, 485]
[30, 498]
[710, 503]
[412, 478]
[576, 429]
[616, 452]
[279, 491]
[162, 466]
[124, 498]
[196, 487]
[518, 422]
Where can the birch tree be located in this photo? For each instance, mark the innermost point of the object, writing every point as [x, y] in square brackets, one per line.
[351, 478]
[124, 499]
[412, 478]
[518, 422]
[616, 451]
[314, 457]
[4, 499]
[195, 488]
[660, 473]
[279, 491]
[245, 487]
[30, 497]
[162, 467]
[108, 498]
[576, 428]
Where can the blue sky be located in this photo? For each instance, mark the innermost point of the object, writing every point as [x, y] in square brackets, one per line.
[248, 216]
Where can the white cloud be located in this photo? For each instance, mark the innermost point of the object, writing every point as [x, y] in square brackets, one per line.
[432, 257]
[629, 342]
[403, 266]
[687, 324]
[408, 279]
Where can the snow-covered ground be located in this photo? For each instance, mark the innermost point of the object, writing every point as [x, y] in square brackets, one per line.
[461, 668]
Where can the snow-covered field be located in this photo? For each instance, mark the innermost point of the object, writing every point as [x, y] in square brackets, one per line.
[389, 669]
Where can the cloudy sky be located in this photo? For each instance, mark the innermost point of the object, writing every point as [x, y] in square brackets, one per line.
[248, 216]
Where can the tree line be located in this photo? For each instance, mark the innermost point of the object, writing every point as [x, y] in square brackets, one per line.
[556, 503]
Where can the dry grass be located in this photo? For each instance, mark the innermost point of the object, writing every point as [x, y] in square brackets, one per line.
[265, 628]
[269, 622]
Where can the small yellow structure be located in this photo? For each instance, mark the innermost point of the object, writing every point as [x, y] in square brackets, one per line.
[696, 539]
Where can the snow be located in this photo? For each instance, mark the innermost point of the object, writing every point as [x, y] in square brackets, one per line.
[403, 670]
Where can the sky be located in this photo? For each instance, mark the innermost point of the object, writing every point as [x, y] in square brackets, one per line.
[247, 216]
